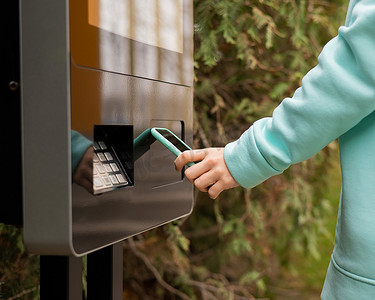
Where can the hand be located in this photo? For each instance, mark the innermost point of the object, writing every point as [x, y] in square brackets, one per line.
[83, 175]
[210, 174]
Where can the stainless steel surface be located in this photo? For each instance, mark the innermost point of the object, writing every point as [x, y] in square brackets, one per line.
[100, 49]
[159, 194]
[74, 77]
[45, 81]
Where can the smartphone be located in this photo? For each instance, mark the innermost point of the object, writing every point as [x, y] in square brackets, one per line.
[170, 141]
[142, 143]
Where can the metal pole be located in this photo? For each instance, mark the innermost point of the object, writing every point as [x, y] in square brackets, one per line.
[60, 278]
[105, 273]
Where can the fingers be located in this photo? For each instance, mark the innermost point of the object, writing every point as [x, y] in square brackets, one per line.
[188, 156]
[203, 182]
[214, 191]
[212, 182]
[211, 174]
[224, 183]
[201, 171]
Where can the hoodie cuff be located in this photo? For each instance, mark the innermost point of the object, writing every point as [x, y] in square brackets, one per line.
[79, 145]
[246, 163]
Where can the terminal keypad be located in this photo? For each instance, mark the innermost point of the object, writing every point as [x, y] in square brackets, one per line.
[108, 174]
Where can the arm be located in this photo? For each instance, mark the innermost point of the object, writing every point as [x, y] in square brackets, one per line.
[335, 96]
[82, 160]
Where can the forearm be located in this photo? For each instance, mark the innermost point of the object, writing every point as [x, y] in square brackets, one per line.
[336, 95]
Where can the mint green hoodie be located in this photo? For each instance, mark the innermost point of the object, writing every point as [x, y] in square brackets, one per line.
[336, 100]
[79, 145]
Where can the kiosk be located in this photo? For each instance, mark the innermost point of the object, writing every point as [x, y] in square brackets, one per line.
[107, 70]
[103, 70]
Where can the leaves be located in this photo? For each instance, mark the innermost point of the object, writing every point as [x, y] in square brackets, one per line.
[249, 55]
[262, 50]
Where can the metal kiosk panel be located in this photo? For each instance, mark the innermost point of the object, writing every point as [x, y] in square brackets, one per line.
[83, 74]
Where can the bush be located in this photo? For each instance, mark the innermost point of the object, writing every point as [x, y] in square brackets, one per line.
[248, 57]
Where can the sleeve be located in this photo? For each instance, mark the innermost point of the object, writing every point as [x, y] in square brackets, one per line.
[79, 146]
[335, 96]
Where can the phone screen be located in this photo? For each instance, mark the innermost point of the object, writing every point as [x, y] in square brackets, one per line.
[175, 141]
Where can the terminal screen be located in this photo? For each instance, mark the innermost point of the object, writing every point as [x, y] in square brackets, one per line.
[157, 23]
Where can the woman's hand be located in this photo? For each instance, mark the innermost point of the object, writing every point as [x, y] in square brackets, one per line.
[210, 173]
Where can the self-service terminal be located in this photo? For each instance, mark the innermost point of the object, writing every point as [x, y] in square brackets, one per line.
[106, 71]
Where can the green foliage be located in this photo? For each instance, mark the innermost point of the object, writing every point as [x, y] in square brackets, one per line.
[249, 55]
[19, 271]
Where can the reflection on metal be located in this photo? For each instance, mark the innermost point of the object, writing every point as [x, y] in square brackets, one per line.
[157, 23]
[142, 143]
[161, 157]
[113, 165]
[79, 77]
[105, 41]
[117, 80]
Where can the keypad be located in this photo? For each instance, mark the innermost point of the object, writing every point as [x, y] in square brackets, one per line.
[108, 174]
